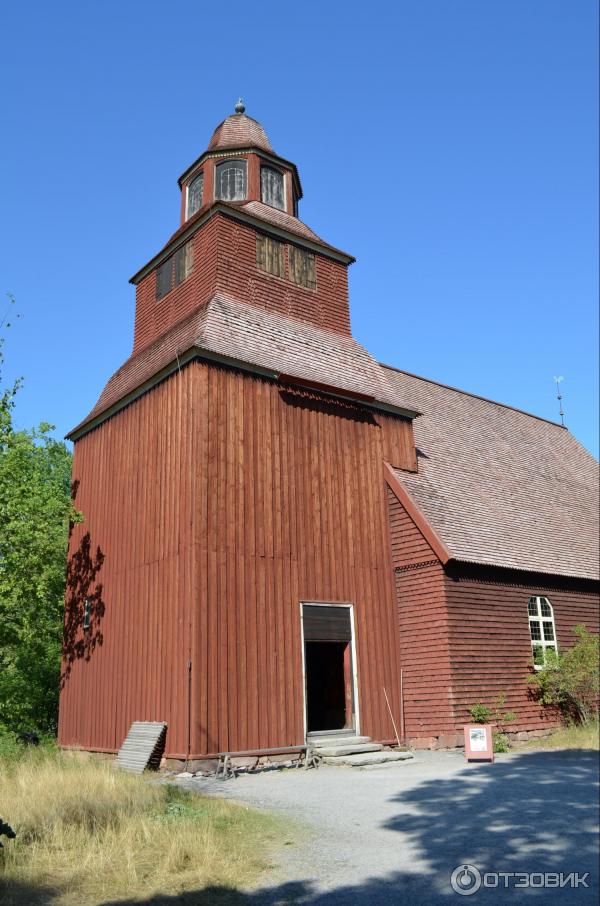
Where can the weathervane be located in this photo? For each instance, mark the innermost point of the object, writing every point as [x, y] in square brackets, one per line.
[558, 380]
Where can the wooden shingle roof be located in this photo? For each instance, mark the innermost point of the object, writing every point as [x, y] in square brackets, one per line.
[498, 486]
[239, 131]
[241, 334]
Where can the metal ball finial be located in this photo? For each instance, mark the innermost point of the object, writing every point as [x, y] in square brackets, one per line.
[239, 107]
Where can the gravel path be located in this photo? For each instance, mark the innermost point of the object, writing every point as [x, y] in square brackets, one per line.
[394, 835]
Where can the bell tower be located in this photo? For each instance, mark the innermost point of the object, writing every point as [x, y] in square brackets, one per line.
[240, 235]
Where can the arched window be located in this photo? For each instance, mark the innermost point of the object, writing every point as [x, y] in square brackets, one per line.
[272, 187]
[194, 195]
[541, 629]
[230, 184]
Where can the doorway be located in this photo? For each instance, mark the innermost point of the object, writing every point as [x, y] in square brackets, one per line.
[327, 686]
[328, 668]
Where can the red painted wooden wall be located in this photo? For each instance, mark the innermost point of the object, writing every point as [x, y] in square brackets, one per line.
[464, 635]
[220, 501]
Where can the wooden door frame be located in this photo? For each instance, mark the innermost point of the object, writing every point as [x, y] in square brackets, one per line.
[354, 661]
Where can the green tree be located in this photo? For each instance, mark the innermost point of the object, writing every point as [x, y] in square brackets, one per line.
[35, 512]
[569, 681]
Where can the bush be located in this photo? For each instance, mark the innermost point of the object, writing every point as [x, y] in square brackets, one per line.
[569, 681]
[481, 714]
[501, 741]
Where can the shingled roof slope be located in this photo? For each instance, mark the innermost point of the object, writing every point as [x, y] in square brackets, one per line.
[501, 487]
[260, 338]
[239, 131]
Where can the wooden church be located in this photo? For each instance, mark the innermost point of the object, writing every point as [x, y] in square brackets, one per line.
[283, 536]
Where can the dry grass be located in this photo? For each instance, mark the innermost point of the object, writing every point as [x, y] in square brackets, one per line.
[91, 834]
[571, 737]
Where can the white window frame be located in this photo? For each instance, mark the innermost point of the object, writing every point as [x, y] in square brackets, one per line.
[538, 619]
[199, 175]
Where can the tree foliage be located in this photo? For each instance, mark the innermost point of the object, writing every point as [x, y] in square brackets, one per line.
[569, 681]
[35, 512]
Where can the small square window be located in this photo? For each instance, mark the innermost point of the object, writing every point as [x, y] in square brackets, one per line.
[164, 278]
[269, 255]
[302, 267]
[174, 270]
[183, 263]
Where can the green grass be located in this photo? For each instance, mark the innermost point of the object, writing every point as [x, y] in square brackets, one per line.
[88, 833]
[569, 737]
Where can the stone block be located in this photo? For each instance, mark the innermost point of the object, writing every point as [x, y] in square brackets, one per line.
[450, 740]
[424, 742]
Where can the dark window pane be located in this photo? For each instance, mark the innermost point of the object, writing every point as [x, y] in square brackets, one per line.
[532, 607]
[534, 628]
[164, 278]
[548, 631]
[271, 187]
[194, 199]
[231, 180]
[545, 608]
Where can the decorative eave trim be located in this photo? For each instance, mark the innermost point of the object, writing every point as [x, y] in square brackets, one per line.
[329, 389]
[198, 353]
[425, 527]
[328, 251]
[251, 149]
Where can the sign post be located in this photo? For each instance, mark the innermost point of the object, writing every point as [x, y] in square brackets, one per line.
[479, 744]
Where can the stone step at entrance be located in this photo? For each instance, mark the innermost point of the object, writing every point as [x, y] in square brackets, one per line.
[338, 749]
[328, 741]
[370, 759]
[344, 747]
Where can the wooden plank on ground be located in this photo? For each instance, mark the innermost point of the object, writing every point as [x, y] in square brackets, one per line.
[143, 746]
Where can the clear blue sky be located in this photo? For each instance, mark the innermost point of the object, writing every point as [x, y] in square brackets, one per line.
[474, 224]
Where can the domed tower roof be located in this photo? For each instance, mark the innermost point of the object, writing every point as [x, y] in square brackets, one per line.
[239, 131]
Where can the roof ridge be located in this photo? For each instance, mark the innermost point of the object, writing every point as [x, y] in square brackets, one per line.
[477, 396]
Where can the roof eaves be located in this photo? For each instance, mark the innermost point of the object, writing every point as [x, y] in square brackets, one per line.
[219, 207]
[196, 351]
[180, 359]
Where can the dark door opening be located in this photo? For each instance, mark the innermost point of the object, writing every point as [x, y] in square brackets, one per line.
[328, 686]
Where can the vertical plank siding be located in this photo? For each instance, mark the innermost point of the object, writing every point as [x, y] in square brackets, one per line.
[221, 501]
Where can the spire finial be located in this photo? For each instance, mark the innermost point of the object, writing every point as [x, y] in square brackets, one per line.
[239, 107]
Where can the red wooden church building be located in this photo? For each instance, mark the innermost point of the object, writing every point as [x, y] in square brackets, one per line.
[279, 531]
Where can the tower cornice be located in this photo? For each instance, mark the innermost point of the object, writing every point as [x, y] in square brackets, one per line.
[238, 213]
[251, 149]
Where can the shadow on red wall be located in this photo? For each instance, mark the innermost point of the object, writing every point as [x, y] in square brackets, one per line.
[83, 600]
